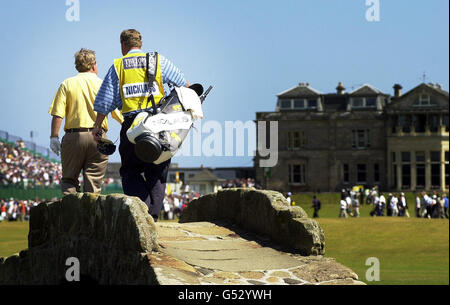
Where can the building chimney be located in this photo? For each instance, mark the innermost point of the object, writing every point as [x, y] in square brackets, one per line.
[397, 90]
[340, 88]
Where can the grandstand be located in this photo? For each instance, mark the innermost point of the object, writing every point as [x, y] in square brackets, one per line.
[37, 150]
[30, 171]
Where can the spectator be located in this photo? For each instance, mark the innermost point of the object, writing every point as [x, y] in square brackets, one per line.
[376, 206]
[288, 198]
[316, 205]
[241, 182]
[440, 207]
[348, 200]
[355, 203]
[445, 205]
[427, 203]
[343, 210]
[389, 206]
[403, 203]
[394, 205]
[418, 205]
[382, 204]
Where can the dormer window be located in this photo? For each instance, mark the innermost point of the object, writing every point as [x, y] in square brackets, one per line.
[285, 104]
[371, 102]
[298, 104]
[423, 101]
[364, 102]
[312, 104]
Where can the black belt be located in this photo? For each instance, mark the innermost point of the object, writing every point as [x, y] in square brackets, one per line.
[80, 130]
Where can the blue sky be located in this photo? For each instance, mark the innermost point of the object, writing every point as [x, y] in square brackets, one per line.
[248, 50]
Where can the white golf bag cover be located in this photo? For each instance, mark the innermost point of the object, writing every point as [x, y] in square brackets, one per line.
[158, 137]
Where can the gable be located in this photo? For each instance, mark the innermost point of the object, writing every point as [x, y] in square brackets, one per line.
[422, 97]
[366, 90]
[299, 91]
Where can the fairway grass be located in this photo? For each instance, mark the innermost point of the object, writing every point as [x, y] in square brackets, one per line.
[410, 251]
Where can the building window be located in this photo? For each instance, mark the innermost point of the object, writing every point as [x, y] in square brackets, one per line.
[299, 104]
[361, 138]
[297, 173]
[346, 173]
[419, 122]
[424, 100]
[296, 139]
[433, 122]
[406, 169]
[435, 158]
[364, 102]
[406, 157]
[312, 104]
[371, 102]
[420, 169]
[305, 103]
[361, 170]
[394, 123]
[376, 173]
[394, 174]
[404, 121]
[445, 121]
[446, 170]
[285, 104]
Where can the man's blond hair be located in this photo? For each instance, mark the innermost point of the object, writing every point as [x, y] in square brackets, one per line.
[84, 60]
[131, 38]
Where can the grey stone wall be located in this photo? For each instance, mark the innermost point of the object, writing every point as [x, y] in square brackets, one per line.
[109, 235]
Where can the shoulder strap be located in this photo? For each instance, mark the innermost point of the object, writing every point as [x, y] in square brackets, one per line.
[151, 70]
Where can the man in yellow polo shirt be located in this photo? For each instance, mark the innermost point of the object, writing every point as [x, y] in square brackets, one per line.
[74, 101]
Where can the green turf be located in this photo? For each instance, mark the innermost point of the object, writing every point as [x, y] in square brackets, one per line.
[13, 237]
[410, 250]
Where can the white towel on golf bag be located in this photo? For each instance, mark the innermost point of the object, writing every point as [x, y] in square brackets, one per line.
[190, 101]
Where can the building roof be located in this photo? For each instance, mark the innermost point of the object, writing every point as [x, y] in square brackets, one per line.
[205, 175]
[434, 87]
[300, 90]
[366, 89]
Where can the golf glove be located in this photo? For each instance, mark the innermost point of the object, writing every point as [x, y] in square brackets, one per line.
[55, 145]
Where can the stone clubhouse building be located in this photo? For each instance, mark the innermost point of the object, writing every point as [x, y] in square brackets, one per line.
[330, 141]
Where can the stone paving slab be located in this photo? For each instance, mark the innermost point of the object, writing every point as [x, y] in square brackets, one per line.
[206, 253]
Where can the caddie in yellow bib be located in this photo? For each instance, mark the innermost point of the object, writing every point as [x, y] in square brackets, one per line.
[134, 83]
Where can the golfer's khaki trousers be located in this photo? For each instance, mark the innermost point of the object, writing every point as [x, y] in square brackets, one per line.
[79, 154]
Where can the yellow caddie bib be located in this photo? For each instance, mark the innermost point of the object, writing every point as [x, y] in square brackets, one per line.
[133, 81]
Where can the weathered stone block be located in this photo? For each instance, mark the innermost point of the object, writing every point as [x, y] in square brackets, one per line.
[109, 235]
[263, 212]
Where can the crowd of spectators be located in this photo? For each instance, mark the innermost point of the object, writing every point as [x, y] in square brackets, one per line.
[20, 167]
[241, 182]
[17, 210]
[174, 204]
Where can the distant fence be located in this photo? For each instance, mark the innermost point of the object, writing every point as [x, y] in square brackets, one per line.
[31, 146]
[48, 193]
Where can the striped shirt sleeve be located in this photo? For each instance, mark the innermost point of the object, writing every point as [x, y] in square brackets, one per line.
[108, 96]
[170, 73]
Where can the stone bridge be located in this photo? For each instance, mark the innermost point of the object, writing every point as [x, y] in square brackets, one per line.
[235, 236]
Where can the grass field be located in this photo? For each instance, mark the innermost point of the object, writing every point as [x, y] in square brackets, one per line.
[410, 250]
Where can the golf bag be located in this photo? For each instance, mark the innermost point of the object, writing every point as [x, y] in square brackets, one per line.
[159, 132]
